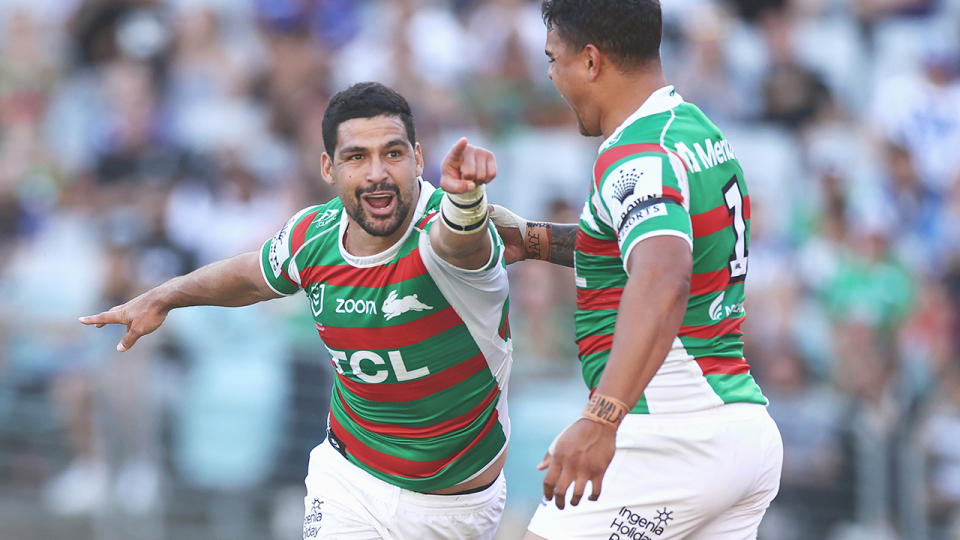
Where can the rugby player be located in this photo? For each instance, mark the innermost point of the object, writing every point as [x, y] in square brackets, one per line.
[676, 431]
[408, 291]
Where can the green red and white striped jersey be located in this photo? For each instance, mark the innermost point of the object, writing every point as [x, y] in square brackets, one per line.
[667, 170]
[421, 349]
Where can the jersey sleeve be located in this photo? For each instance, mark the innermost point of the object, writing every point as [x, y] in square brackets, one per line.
[277, 263]
[643, 196]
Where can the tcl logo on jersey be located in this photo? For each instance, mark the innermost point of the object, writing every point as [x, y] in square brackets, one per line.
[370, 367]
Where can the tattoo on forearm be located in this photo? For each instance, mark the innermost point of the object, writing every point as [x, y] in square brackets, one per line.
[563, 237]
[537, 242]
[605, 410]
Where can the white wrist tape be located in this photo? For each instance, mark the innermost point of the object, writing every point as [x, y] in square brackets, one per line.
[465, 213]
[504, 218]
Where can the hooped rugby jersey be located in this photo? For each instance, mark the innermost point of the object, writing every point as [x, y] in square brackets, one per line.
[667, 170]
[421, 349]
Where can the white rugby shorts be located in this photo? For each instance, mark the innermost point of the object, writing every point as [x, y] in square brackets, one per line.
[345, 502]
[702, 475]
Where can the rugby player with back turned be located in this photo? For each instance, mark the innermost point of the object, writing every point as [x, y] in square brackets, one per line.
[676, 431]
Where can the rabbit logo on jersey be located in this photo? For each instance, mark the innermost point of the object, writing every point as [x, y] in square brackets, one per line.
[394, 306]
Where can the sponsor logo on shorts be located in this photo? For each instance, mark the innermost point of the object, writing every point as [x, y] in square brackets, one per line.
[630, 525]
[311, 522]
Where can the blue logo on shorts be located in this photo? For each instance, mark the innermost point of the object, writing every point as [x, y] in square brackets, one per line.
[630, 525]
[311, 522]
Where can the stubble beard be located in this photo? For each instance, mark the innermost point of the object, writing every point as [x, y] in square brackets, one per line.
[379, 226]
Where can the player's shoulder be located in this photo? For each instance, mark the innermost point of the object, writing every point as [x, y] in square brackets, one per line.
[319, 217]
[637, 134]
[309, 222]
[636, 152]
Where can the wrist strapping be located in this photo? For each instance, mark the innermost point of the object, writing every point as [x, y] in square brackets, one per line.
[605, 410]
[465, 213]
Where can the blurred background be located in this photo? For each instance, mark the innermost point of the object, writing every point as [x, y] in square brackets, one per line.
[141, 139]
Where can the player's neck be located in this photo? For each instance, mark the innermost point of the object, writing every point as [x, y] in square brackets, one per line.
[625, 93]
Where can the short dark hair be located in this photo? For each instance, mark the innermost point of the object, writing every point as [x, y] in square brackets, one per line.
[627, 30]
[364, 100]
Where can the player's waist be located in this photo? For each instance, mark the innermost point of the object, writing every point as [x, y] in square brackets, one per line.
[471, 464]
[726, 412]
[474, 490]
[598, 338]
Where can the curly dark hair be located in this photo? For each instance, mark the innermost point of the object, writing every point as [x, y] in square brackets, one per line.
[627, 30]
[364, 100]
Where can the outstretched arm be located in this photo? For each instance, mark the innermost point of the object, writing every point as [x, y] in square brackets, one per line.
[523, 239]
[232, 282]
[461, 238]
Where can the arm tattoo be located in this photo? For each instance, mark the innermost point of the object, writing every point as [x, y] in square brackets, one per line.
[551, 242]
[562, 241]
[537, 242]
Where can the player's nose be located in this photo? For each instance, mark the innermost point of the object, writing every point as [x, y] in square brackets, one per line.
[377, 171]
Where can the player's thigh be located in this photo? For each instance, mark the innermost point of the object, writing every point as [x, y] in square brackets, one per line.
[326, 519]
[675, 480]
[742, 520]
[340, 501]
[646, 493]
[473, 516]
[739, 522]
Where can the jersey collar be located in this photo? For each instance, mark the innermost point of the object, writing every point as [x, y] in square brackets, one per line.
[385, 256]
[661, 100]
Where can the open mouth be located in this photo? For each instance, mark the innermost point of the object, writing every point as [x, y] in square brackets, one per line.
[379, 203]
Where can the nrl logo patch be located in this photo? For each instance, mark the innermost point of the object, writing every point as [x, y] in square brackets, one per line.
[316, 298]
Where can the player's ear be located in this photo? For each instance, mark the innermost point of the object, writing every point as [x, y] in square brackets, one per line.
[326, 168]
[418, 156]
[592, 61]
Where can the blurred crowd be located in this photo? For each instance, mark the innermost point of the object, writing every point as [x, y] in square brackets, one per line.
[140, 139]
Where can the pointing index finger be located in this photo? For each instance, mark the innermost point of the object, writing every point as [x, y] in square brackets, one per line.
[106, 317]
[456, 153]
